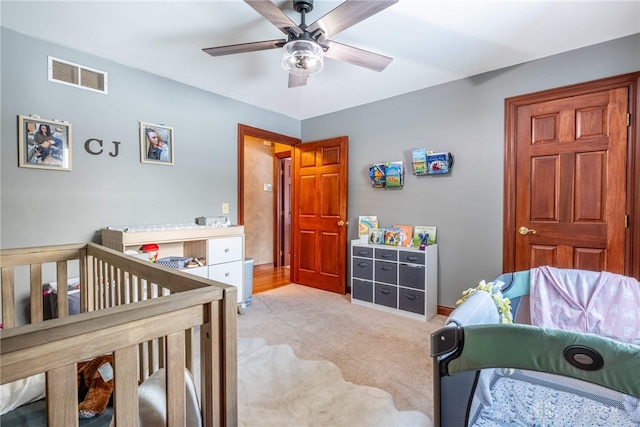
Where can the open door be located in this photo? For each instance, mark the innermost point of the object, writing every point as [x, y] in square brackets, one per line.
[319, 214]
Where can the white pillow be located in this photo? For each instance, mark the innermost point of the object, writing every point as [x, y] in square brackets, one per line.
[21, 392]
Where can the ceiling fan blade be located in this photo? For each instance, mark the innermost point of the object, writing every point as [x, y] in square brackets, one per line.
[244, 47]
[274, 15]
[355, 56]
[296, 80]
[347, 14]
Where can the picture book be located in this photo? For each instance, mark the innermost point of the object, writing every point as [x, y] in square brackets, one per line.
[419, 160]
[424, 235]
[376, 236]
[366, 223]
[395, 174]
[406, 234]
[377, 173]
[438, 163]
[392, 236]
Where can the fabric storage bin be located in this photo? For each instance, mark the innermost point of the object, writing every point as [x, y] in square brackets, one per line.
[173, 261]
[410, 300]
[387, 272]
[363, 268]
[412, 276]
[362, 290]
[386, 295]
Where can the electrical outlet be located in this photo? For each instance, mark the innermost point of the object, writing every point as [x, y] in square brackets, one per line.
[225, 208]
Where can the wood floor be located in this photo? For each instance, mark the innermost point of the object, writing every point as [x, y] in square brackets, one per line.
[267, 277]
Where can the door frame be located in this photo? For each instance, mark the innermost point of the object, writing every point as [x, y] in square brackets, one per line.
[632, 232]
[249, 131]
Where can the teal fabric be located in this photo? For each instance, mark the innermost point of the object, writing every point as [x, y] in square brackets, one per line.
[541, 349]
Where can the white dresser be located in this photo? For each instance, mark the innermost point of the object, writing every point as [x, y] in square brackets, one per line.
[396, 279]
[221, 247]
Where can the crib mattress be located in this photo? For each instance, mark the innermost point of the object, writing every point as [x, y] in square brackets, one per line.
[35, 414]
[522, 403]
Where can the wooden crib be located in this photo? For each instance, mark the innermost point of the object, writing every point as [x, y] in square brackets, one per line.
[148, 316]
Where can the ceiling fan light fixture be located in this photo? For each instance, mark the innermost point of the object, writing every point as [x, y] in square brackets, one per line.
[303, 57]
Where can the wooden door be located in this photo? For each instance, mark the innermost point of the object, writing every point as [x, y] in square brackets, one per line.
[283, 214]
[319, 214]
[570, 182]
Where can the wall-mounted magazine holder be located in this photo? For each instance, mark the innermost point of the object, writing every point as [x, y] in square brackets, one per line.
[387, 175]
[428, 163]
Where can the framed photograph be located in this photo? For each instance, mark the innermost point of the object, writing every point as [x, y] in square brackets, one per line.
[44, 144]
[156, 144]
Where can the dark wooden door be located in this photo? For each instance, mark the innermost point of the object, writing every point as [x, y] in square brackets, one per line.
[319, 214]
[570, 182]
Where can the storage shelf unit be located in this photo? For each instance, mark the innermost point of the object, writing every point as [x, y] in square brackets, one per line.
[396, 279]
[221, 247]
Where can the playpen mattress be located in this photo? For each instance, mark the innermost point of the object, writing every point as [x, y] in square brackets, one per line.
[520, 402]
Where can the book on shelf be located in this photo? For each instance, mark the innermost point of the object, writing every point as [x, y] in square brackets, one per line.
[406, 234]
[392, 236]
[419, 161]
[376, 236]
[424, 235]
[366, 223]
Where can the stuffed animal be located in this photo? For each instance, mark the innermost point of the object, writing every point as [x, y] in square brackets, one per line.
[96, 378]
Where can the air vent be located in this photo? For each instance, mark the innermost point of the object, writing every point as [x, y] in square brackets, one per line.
[76, 75]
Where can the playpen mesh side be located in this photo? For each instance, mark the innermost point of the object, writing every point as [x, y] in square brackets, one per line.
[501, 375]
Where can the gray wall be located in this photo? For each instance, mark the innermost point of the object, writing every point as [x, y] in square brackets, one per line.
[41, 207]
[466, 118]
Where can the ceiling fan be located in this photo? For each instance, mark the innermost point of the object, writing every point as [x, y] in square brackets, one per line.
[306, 46]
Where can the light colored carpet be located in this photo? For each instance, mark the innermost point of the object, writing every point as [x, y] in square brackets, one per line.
[275, 388]
[370, 347]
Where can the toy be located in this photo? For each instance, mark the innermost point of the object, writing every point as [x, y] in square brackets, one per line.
[96, 378]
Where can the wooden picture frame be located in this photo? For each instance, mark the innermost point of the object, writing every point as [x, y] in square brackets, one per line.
[44, 144]
[156, 144]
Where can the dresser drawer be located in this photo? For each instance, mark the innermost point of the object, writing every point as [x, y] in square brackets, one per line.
[386, 295]
[411, 257]
[362, 290]
[229, 273]
[411, 276]
[387, 254]
[363, 252]
[410, 300]
[198, 271]
[224, 249]
[386, 272]
[363, 268]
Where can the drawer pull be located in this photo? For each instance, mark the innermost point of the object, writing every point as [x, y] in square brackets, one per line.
[226, 249]
[385, 268]
[410, 297]
[385, 291]
[386, 256]
[227, 274]
[363, 264]
[412, 258]
[362, 253]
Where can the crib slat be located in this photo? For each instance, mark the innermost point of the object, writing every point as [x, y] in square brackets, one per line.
[61, 278]
[35, 286]
[8, 298]
[176, 401]
[62, 392]
[126, 387]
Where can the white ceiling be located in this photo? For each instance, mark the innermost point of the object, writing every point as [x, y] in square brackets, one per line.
[432, 42]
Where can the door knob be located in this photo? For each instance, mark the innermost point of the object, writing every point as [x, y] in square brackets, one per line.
[341, 223]
[524, 231]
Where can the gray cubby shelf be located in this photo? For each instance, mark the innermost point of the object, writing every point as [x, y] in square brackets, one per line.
[397, 279]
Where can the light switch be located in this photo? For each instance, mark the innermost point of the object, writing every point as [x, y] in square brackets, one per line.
[225, 208]
[267, 187]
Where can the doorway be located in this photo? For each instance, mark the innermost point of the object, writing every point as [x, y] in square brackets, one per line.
[262, 195]
[572, 178]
